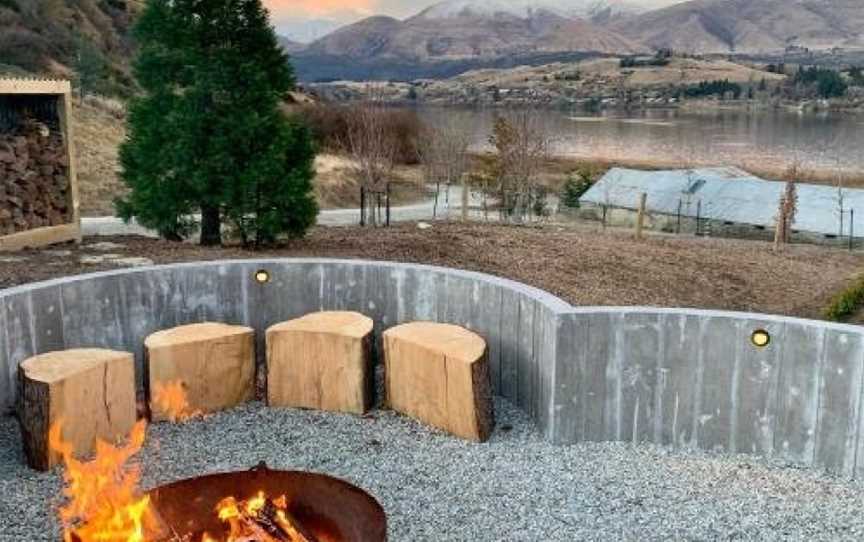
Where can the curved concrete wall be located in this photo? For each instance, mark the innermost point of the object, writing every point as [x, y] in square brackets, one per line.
[686, 378]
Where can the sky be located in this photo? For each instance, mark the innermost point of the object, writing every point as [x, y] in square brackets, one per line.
[308, 19]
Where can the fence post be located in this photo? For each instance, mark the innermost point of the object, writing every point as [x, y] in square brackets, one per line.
[362, 206]
[699, 217]
[678, 227]
[640, 217]
[851, 229]
[387, 202]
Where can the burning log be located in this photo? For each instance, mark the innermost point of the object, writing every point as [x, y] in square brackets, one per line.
[261, 519]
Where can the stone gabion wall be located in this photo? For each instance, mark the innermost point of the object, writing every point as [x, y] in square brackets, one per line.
[685, 378]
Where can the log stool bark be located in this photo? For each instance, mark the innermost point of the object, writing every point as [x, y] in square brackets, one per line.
[439, 374]
[210, 366]
[90, 392]
[321, 361]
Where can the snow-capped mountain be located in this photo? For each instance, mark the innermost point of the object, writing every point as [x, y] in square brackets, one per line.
[584, 9]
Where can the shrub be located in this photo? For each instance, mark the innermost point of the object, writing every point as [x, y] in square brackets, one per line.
[846, 303]
[577, 184]
[720, 88]
[828, 83]
[329, 127]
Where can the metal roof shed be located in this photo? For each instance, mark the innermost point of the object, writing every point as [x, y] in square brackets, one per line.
[724, 194]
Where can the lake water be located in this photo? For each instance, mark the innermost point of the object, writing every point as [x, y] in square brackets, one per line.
[760, 140]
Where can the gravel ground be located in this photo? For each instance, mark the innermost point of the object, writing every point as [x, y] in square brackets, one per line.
[516, 487]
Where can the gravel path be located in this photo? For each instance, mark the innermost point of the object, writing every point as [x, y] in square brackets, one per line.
[514, 488]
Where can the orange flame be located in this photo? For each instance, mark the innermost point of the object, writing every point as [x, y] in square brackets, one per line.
[171, 400]
[237, 516]
[103, 502]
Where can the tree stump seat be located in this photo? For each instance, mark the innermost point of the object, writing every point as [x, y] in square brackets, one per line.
[321, 361]
[439, 375]
[198, 369]
[89, 392]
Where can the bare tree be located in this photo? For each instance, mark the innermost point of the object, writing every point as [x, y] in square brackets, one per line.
[370, 144]
[523, 143]
[787, 209]
[444, 155]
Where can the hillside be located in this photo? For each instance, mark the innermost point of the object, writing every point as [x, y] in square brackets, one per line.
[460, 38]
[564, 83]
[290, 46]
[44, 37]
[748, 26]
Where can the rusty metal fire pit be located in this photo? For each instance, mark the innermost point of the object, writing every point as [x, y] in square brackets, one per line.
[332, 509]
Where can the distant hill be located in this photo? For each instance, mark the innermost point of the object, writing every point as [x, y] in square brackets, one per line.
[452, 36]
[290, 46]
[748, 26]
[41, 37]
[592, 10]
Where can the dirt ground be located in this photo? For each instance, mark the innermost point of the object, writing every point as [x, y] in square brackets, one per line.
[583, 267]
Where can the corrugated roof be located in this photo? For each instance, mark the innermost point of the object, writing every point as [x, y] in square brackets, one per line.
[727, 194]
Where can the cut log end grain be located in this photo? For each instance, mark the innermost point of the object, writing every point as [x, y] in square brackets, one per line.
[321, 361]
[439, 375]
[213, 363]
[34, 168]
[90, 392]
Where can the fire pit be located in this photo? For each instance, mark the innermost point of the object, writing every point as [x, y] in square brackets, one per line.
[103, 503]
[320, 508]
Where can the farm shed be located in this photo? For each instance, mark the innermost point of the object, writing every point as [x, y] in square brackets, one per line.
[724, 200]
[38, 184]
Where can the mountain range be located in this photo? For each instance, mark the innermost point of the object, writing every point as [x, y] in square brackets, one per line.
[458, 35]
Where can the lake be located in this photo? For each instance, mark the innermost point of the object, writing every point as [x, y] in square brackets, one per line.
[768, 140]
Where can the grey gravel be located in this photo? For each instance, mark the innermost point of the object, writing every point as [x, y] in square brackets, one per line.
[517, 487]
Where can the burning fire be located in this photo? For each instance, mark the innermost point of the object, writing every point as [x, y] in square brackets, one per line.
[104, 504]
[171, 399]
[259, 519]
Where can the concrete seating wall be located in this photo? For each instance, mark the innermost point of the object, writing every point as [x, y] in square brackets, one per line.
[686, 378]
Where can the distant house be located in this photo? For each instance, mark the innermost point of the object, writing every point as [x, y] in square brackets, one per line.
[721, 201]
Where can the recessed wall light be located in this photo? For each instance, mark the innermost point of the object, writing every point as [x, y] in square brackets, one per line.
[760, 338]
[262, 276]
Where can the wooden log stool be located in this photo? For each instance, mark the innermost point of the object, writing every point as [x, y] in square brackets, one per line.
[439, 374]
[199, 368]
[90, 392]
[321, 361]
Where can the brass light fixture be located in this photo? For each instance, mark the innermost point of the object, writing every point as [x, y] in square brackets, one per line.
[760, 338]
[262, 276]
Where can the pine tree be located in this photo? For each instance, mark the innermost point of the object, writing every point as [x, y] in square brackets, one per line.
[207, 135]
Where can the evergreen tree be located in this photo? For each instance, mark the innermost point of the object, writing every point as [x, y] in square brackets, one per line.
[207, 135]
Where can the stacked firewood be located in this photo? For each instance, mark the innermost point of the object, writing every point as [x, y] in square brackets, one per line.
[34, 178]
